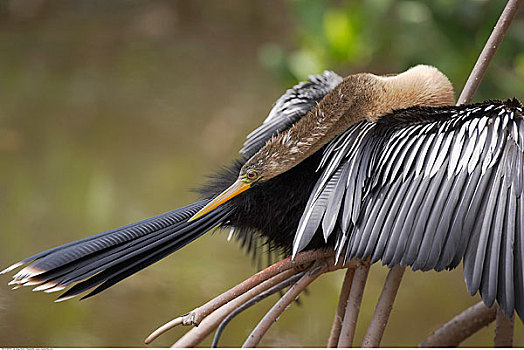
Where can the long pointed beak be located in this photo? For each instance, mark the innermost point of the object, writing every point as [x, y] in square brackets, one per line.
[233, 190]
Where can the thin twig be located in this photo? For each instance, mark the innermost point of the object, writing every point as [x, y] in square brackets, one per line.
[383, 309]
[197, 315]
[461, 326]
[504, 330]
[252, 302]
[211, 322]
[164, 328]
[254, 338]
[353, 305]
[489, 50]
[196, 335]
[341, 308]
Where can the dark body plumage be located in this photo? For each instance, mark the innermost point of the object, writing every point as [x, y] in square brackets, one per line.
[261, 212]
[425, 187]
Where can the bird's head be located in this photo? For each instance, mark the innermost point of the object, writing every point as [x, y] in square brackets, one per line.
[249, 176]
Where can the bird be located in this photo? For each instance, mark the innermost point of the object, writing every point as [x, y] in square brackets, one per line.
[375, 167]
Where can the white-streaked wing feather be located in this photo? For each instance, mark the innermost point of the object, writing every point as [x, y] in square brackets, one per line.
[424, 185]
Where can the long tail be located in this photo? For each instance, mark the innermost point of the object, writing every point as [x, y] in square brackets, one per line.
[106, 258]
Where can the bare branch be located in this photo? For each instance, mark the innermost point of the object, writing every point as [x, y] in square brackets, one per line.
[489, 51]
[504, 330]
[341, 308]
[254, 338]
[353, 305]
[383, 309]
[211, 322]
[461, 326]
[197, 315]
[252, 302]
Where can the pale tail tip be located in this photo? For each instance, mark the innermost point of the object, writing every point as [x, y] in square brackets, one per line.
[12, 267]
[44, 286]
[64, 298]
[20, 280]
[27, 273]
[30, 283]
[55, 289]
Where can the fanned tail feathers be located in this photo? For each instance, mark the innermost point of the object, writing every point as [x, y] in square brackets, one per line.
[106, 258]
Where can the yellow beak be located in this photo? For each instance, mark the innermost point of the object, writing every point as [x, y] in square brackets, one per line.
[235, 189]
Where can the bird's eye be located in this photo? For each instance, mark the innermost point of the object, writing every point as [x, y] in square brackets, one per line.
[252, 174]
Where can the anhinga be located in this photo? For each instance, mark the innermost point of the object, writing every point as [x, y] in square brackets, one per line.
[379, 167]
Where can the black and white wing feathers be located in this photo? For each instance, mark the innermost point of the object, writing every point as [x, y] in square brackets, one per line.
[427, 188]
[290, 107]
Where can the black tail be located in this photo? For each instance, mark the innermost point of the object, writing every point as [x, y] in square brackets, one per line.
[106, 258]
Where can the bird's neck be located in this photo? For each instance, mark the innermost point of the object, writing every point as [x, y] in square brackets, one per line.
[357, 97]
[349, 102]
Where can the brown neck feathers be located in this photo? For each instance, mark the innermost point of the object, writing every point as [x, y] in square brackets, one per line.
[357, 97]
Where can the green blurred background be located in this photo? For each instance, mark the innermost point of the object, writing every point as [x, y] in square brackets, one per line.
[111, 111]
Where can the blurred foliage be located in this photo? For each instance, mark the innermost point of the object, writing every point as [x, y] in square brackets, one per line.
[389, 36]
[110, 111]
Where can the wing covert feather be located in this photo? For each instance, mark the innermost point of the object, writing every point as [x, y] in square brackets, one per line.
[290, 107]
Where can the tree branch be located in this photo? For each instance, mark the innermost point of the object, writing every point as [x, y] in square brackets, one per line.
[197, 315]
[461, 326]
[196, 335]
[254, 338]
[504, 330]
[278, 287]
[341, 308]
[353, 305]
[383, 309]
[494, 40]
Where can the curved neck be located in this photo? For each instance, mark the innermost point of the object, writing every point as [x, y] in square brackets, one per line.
[357, 97]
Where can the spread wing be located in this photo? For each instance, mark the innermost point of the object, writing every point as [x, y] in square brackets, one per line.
[290, 107]
[426, 188]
